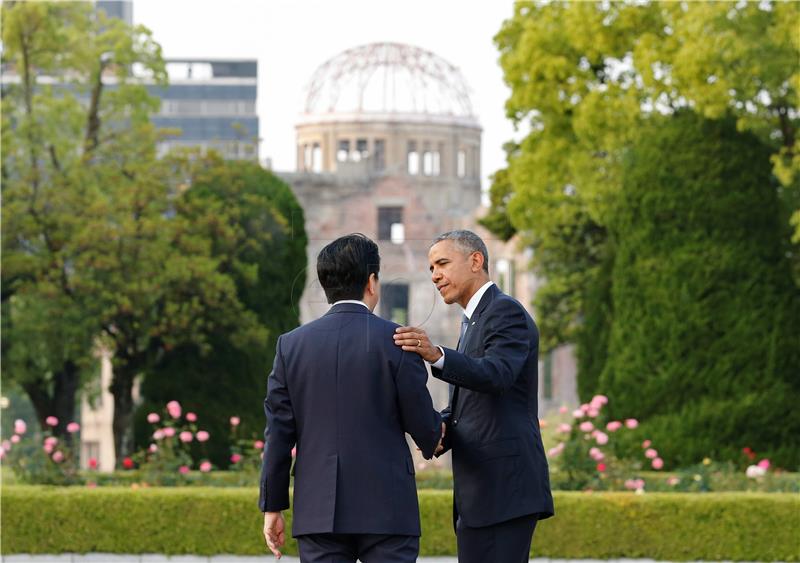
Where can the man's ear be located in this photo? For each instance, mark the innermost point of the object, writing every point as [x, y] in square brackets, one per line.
[372, 284]
[477, 262]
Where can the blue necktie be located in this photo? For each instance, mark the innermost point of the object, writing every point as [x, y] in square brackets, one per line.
[464, 325]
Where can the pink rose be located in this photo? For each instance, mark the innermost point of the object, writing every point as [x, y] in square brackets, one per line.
[613, 426]
[599, 400]
[92, 463]
[73, 427]
[563, 410]
[15, 439]
[2, 452]
[185, 437]
[91, 485]
[202, 436]
[584, 408]
[20, 427]
[236, 458]
[6, 445]
[205, 466]
[51, 440]
[564, 428]
[191, 417]
[650, 453]
[593, 413]
[158, 434]
[58, 456]
[658, 463]
[634, 484]
[51, 421]
[764, 464]
[169, 431]
[153, 418]
[258, 444]
[631, 423]
[556, 450]
[601, 467]
[48, 448]
[601, 438]
[646, 444]
[596, 454]
[577, 413]
[183, 469]
[174, 409]
[235, 420]
[672, 481]
[586, 426]
[153, 448]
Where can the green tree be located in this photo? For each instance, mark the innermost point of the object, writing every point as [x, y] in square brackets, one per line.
[56, 128]
[90, 210]
[705, 345]
[257, 231]
[584, 76]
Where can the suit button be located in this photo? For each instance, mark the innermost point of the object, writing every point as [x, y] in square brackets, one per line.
[455, 423]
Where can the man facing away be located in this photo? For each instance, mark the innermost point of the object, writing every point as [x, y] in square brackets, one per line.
[500, 474]
[346, 395]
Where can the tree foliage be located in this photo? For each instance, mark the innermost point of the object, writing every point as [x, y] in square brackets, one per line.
[255, 226]
[584, 76]
[705, 345]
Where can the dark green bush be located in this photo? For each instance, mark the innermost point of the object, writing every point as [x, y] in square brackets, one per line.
[705, 343]
[207, 521]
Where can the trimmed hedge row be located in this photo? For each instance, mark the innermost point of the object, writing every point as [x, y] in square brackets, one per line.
[207, 521]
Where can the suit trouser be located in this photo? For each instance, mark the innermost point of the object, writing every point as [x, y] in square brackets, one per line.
[368, 548]
[506, 542]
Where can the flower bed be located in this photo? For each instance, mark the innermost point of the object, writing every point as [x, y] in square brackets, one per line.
[207, 521]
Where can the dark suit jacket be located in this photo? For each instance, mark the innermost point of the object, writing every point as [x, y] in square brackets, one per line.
[345, 394]
[499, 466]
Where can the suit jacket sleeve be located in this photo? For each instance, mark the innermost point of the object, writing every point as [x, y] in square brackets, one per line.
[447, 416]
[280, 436]
[507, 342]
[419, 417]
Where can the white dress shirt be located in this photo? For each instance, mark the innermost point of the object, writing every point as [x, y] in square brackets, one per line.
[471, 306]
[356, 301]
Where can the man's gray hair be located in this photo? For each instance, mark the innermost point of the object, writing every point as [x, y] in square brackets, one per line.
[468, 242]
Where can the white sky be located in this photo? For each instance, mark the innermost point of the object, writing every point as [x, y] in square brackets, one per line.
[291, 38]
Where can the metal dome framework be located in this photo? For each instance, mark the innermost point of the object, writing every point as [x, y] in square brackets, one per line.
[388, 78]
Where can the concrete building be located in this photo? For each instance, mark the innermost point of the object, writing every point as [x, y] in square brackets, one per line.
[389, 145]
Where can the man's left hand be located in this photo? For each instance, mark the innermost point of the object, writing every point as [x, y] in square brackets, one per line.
[414, 339]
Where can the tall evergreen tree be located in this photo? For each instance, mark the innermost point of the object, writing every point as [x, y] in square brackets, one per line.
[705, 343]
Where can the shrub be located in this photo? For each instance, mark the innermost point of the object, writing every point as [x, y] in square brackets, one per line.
[204, 521]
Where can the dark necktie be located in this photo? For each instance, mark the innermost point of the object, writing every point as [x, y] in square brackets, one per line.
[461, 341]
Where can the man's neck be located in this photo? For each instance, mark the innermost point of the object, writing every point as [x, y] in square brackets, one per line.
[476, 285]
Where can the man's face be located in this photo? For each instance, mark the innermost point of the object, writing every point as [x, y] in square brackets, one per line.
[451, 271]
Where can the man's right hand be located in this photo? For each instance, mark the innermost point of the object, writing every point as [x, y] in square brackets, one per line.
[439, 446]
[274, 533]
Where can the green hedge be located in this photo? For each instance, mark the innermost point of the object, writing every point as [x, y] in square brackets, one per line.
[207, 521]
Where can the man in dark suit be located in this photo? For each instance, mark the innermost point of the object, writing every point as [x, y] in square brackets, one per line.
[500, 475]
[345, 396]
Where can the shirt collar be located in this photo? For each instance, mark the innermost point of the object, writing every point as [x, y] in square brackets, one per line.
[356, 301]
[476, 298]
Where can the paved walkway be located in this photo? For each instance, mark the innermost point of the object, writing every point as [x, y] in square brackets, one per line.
[115, 558]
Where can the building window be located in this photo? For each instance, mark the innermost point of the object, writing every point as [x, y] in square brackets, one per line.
[427, 163]
[461, 163]
[306, 157]
[380, 154]
[394, 303]
[413, 158]
[316, 158]
[361, 150]
[437, 163]
[343, 151]
[387, 217]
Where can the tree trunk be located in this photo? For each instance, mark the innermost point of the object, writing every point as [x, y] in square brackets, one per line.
[122, 390]
[60, 403]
